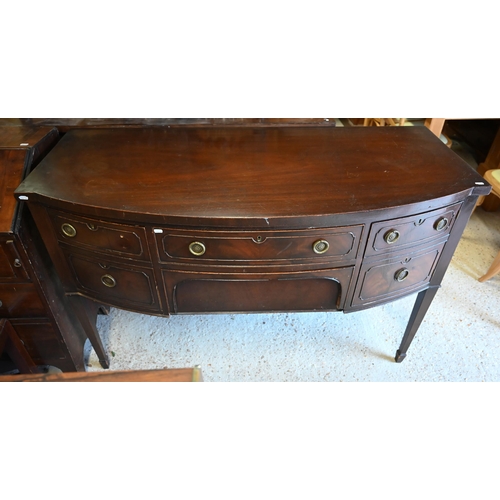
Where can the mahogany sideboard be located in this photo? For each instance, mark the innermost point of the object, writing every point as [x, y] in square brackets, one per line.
[37, 324]
[205, 220]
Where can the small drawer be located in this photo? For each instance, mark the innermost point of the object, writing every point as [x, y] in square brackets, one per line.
[115, 284]
[20, 300]
[337, 244]
[387, 279]
[11, 265]
[115, 239]
[399, 233]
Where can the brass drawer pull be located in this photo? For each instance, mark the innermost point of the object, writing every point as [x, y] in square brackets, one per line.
[108, 280]
[197, 248]
[401, 274]
[391, 236]
[17, 263]
[68, 230]
[321, 246]
[441, 224]
[91, 226]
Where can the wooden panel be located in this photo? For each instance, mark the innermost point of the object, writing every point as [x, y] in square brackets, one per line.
[319, 290]
[118, 239]
[20, 300]
[126, 287]
[168, 375]
[25, 137]
[14, 347]
[266, 245]
[12, 163]
[65, 124]
[41, 341]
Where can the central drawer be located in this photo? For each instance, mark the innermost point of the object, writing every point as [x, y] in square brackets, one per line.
[334, 244]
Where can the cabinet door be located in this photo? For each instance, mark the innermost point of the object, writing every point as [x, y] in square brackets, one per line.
[257, 292]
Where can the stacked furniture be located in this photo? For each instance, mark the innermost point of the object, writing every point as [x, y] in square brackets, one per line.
[37, 325]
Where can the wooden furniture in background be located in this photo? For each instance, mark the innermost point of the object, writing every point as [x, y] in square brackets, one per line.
[435, 125]
[196, 220]
[493, 177]
[33, 307]
[166, 375]
[382, 122]
[14, 347]
[491, 203]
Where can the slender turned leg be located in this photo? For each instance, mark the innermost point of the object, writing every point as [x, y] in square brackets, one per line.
[422, 303]
[80, 308]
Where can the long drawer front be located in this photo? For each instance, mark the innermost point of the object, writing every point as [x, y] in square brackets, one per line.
[337, 244]
[300, 291]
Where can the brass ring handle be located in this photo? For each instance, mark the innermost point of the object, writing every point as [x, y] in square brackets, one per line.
[441, 224]
[321, 246]
[197, 248]
[68, 230]
[108, 280]
[391, 236]
[401, 274]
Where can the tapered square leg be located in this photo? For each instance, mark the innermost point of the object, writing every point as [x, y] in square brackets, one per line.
[80, 309]
[422, 303]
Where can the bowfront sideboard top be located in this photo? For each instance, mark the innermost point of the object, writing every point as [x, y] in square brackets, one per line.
[249, 176]
[195, 220]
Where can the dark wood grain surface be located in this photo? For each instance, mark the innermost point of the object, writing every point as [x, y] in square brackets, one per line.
[22, 137]
[248, 173]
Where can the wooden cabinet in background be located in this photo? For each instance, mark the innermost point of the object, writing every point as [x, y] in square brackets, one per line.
[34, 310]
